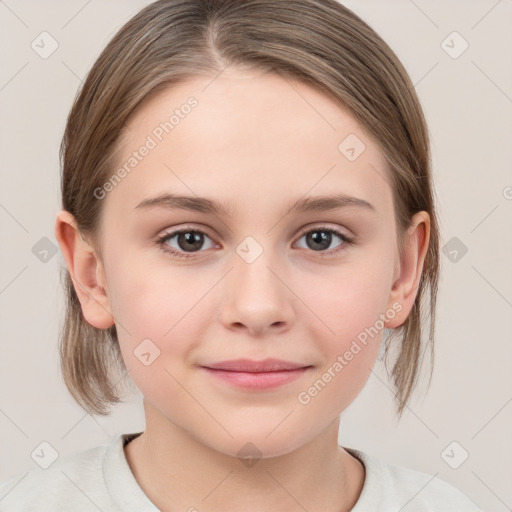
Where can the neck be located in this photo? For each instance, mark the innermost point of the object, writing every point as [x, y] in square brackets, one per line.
[177, 472]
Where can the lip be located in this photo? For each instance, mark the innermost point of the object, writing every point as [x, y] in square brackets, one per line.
[256, 375]
[248, 365]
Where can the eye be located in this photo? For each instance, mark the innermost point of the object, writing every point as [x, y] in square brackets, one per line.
[183, 243]
[321, 238]
[187, 240]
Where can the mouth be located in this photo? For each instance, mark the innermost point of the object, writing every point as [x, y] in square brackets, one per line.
[256, 375]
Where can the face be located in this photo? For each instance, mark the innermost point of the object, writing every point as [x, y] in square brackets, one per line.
[252, 280]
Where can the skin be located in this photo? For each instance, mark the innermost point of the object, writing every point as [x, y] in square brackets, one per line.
[257, 141]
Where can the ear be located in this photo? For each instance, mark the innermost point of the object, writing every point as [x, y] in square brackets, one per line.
[408, 269]
[86, 271]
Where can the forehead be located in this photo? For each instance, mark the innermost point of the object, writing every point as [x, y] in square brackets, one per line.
[247, 137]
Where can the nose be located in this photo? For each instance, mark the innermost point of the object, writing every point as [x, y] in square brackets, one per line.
[257, 299]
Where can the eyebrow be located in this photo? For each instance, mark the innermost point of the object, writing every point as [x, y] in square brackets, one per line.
[301, 205]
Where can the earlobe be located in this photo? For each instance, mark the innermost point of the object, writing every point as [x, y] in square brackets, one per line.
[86, 271]
[409, 269]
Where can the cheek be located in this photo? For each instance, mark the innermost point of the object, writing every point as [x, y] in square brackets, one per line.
[349, 299]
[335, 385]
[150, 297]
[351, 302]
[351, 343]
[351, 308]
[167, 306]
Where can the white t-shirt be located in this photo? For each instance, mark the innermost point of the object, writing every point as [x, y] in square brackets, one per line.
[100, 479]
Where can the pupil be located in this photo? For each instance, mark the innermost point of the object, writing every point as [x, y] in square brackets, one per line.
[189, 238]
[323, 240]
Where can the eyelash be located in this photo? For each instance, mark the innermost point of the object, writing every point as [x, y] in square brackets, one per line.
[161, 241]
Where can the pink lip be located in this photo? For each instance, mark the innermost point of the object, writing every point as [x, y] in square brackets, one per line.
[248, 365]
[257, 375]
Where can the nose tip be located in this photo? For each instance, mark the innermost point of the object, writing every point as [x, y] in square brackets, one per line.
[256, 300]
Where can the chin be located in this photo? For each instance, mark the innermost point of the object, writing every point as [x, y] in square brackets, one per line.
[254, 445]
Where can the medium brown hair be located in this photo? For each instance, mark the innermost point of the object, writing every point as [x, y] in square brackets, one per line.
[319, 42]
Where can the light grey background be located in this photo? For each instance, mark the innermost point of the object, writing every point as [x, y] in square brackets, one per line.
[468, 105]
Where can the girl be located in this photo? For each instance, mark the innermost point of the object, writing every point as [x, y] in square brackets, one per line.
[247, 205]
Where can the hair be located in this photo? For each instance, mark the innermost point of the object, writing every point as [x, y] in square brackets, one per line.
[319, 42]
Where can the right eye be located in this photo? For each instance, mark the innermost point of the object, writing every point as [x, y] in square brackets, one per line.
[186, 242]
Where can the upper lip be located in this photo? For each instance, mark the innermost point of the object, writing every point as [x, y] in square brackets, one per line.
[248, 365]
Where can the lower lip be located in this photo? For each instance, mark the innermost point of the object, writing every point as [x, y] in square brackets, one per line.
[257, 381]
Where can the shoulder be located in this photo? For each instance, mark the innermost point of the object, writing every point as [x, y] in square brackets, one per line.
[76, 480]
[393, 487]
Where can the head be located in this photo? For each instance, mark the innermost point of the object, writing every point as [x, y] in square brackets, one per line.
[254, 106]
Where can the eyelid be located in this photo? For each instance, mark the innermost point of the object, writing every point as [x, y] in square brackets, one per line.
[302, 232]
[325, 226]
[187, 227]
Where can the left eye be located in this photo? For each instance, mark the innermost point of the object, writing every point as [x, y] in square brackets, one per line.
[321, 238]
